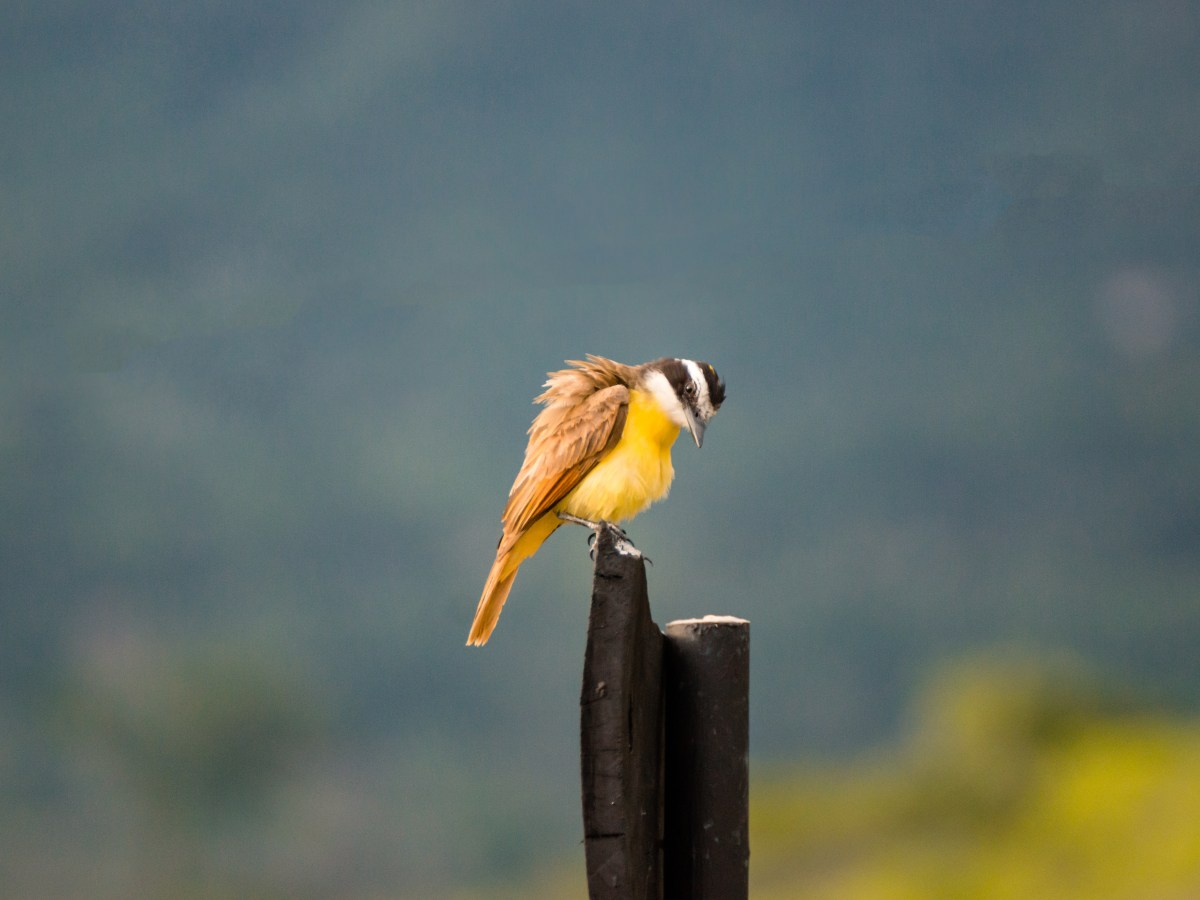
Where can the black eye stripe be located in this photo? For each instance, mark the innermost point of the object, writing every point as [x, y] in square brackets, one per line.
[676, 373]
[680, 378]
[716, 387]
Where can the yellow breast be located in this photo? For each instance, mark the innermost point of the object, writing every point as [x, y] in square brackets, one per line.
[636, 472]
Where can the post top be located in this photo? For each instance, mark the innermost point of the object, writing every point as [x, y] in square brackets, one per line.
[710, 620]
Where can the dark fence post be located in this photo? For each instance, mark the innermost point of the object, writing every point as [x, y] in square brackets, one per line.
[621, 732]
[664, 735]
[706, 811]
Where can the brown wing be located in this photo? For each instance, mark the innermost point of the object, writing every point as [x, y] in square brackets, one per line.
[562, 449]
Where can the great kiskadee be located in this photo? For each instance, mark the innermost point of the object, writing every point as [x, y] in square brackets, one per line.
[600, 451]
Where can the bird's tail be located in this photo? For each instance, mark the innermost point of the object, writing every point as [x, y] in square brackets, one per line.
[495, 592]
[509, 556]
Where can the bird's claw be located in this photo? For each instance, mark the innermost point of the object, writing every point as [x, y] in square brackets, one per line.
[621, 542]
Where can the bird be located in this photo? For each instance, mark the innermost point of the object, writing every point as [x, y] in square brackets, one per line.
[599, 453]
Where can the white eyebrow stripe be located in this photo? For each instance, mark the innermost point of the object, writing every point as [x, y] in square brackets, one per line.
[703, 400]
[696, 375]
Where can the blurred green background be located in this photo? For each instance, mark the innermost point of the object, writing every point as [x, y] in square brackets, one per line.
[278, 282]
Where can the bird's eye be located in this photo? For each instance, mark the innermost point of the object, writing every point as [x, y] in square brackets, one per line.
[690, 389]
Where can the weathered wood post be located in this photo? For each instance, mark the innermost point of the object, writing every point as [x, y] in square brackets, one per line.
[707, 793]
[621, 732]
[664, 739]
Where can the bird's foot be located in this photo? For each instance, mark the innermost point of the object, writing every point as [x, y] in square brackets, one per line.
[624, 546]
[621, 542]
[576, 520]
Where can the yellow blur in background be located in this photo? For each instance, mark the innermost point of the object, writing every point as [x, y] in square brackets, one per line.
[1019, 778]
[1017, 781]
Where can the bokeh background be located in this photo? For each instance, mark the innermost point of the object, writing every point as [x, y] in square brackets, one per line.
[279, 280]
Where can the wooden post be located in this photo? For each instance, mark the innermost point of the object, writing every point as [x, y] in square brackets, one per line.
[706, 814]
[621, 732]
[664, 740]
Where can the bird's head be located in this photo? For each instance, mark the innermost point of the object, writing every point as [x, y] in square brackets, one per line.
[690, 392]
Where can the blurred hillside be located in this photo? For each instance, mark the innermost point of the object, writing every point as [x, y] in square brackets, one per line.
[277, 285]
[1019, 779]
[1015, 777]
